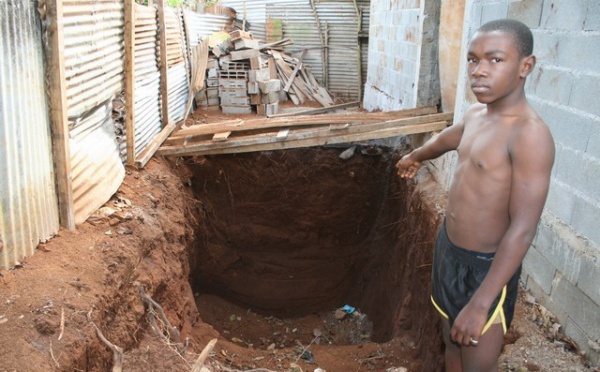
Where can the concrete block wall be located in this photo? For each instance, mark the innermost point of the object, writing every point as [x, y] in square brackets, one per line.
[562, 268]
[402, 69]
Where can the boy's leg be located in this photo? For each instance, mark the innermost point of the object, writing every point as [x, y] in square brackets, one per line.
[452, 356]
[484, 356]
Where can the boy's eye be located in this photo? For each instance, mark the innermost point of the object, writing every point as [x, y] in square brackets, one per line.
[496, 60]
[471, 60]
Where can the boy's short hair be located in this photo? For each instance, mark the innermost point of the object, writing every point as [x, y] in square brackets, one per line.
[518, 30]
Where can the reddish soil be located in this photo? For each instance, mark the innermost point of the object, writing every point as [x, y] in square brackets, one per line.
[284, 239]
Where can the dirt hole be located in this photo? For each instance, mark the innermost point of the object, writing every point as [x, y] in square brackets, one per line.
[289, 237]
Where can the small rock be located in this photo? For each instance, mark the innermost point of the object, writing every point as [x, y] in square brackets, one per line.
[348, 153]
[340, 314]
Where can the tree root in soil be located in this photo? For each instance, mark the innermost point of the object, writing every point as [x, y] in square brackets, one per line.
[117, 351]
[171, 335]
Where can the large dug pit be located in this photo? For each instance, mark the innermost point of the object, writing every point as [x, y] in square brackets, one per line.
[289, 237]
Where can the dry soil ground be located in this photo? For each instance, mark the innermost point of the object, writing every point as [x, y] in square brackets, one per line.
[90, 283]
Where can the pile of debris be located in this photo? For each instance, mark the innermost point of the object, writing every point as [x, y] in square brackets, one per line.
[245, 76]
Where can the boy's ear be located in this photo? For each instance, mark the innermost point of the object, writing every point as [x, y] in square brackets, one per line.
[527, 65]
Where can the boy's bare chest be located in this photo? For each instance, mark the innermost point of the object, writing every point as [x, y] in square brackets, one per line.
[485, 146]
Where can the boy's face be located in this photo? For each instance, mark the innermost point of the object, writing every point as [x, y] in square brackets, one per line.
[494, 66]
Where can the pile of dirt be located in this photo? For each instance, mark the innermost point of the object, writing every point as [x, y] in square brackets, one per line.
[152, 241]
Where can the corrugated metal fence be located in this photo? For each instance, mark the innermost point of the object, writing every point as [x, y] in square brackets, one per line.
[28, 202]
[336, 55]
[91, 52]
[94, 53]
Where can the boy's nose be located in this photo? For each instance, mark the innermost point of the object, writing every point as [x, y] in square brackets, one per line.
[478, 70]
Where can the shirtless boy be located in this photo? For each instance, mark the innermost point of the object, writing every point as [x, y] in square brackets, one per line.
[505, 156]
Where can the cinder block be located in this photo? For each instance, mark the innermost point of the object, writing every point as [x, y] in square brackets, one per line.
[580, 308]
[582, 338]
[588, 278]
[259, 75]
[212, 92]
[272, 97]
[235, 65]
[552, 85]
[242, 44]
[212, 82]
[235, 93]
[212, 63]
[272, 108]
[233, 83]
[575, 135]
[493, 10]
[268, 86]
[574, 44]
[223, 60]
[585, 97]
[540, 269]
[528, 12]
[212, 73]
[253, 87]
[593, 148]
[236, 110]
[561, 201]
[233, 74]
[200, 96]
[592, 16]
[563, 15]
[235, 101]
[586, 217]
[569, 166]
[238, 55]
[214, 102]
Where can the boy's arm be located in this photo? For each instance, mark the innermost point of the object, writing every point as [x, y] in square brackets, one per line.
[532, 156]
[447, 140]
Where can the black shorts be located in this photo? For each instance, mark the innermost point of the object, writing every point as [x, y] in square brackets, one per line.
[456, 275]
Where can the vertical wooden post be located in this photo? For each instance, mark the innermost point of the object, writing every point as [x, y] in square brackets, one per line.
[130, 80]
[58, 113]
[164, 83]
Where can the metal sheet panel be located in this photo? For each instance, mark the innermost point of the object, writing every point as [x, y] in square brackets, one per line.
[96, 168]
[94, 52]
[147, 116]
[344, 54]
[299, 24]
[178, 91]
[199, 25]
[28, 202]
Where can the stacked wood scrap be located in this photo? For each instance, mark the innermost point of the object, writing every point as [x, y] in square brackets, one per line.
[262, 134]
[300, 84]
[252, 76]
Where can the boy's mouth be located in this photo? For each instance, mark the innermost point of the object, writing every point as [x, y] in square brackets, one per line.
[479, 88]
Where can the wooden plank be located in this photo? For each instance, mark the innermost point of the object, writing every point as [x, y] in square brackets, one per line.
[318, 110]
[164, 84]
[220, 137]
[283, 134]
[298, 66]
[265, 143]
[311, 132]
[58, 113]
[130, 80]
[153, 146]
[325, 119]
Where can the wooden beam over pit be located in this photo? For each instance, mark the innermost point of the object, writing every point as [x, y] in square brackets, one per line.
[301, 131]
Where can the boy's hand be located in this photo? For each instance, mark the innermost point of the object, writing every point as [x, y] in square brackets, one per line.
[468, 326]
[407, 167]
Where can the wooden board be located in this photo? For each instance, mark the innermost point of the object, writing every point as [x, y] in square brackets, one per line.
[304, 138]
[324, 119]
